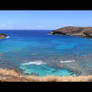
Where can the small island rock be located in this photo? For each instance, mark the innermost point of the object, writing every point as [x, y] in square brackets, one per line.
[3, 36]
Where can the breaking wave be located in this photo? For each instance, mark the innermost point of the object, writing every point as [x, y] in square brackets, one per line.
[67, 61]
[39, 62]
[8, 37]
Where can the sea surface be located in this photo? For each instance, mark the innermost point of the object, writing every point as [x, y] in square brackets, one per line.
[36, 52]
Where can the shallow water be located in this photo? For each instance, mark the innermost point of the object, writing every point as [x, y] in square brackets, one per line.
[50, 52]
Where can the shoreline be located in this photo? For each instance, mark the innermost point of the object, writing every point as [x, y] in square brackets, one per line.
[11, 75]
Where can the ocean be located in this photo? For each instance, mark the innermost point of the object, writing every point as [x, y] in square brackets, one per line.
[36, 52]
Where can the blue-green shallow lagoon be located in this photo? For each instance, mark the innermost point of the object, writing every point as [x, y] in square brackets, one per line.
[35, 52]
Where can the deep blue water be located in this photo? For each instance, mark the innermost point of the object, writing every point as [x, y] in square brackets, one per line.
[35, 52]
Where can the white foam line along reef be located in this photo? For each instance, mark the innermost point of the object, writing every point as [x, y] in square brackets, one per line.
[34, 62]
[68, 61]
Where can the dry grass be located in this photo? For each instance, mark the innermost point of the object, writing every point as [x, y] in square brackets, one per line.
[13, 76]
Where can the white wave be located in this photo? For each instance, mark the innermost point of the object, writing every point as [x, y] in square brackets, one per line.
[34, 62]
[67, 61]
[8, 37]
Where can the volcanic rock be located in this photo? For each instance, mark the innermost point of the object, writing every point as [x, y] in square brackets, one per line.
[74, 31]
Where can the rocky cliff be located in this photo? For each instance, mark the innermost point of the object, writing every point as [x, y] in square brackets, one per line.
[74, 31]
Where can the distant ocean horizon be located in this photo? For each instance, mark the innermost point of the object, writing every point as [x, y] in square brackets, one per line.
[35, 52]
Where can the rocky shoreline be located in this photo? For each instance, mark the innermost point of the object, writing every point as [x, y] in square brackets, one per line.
[10, 75]
[74, 31]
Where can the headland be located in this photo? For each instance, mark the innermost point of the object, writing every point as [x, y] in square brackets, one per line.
[74, 31]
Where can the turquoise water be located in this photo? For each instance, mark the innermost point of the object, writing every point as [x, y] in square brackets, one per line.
[44, 70]
[45, 52]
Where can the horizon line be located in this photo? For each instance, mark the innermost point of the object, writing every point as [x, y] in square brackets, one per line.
[26, 29]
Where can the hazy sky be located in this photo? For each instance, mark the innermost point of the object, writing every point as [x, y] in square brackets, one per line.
[44, 19]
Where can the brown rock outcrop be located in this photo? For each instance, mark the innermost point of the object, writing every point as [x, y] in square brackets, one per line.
[74, 31]
[2, 36]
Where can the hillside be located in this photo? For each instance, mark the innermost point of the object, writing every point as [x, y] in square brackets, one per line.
[74, 31]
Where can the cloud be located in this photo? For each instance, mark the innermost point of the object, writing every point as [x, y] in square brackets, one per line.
[23, 26]
[5, 26]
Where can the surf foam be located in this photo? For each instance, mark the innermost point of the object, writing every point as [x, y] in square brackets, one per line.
[67, 61]
[8, 37]
[34, 62]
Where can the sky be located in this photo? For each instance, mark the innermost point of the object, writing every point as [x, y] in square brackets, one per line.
[44, 19]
